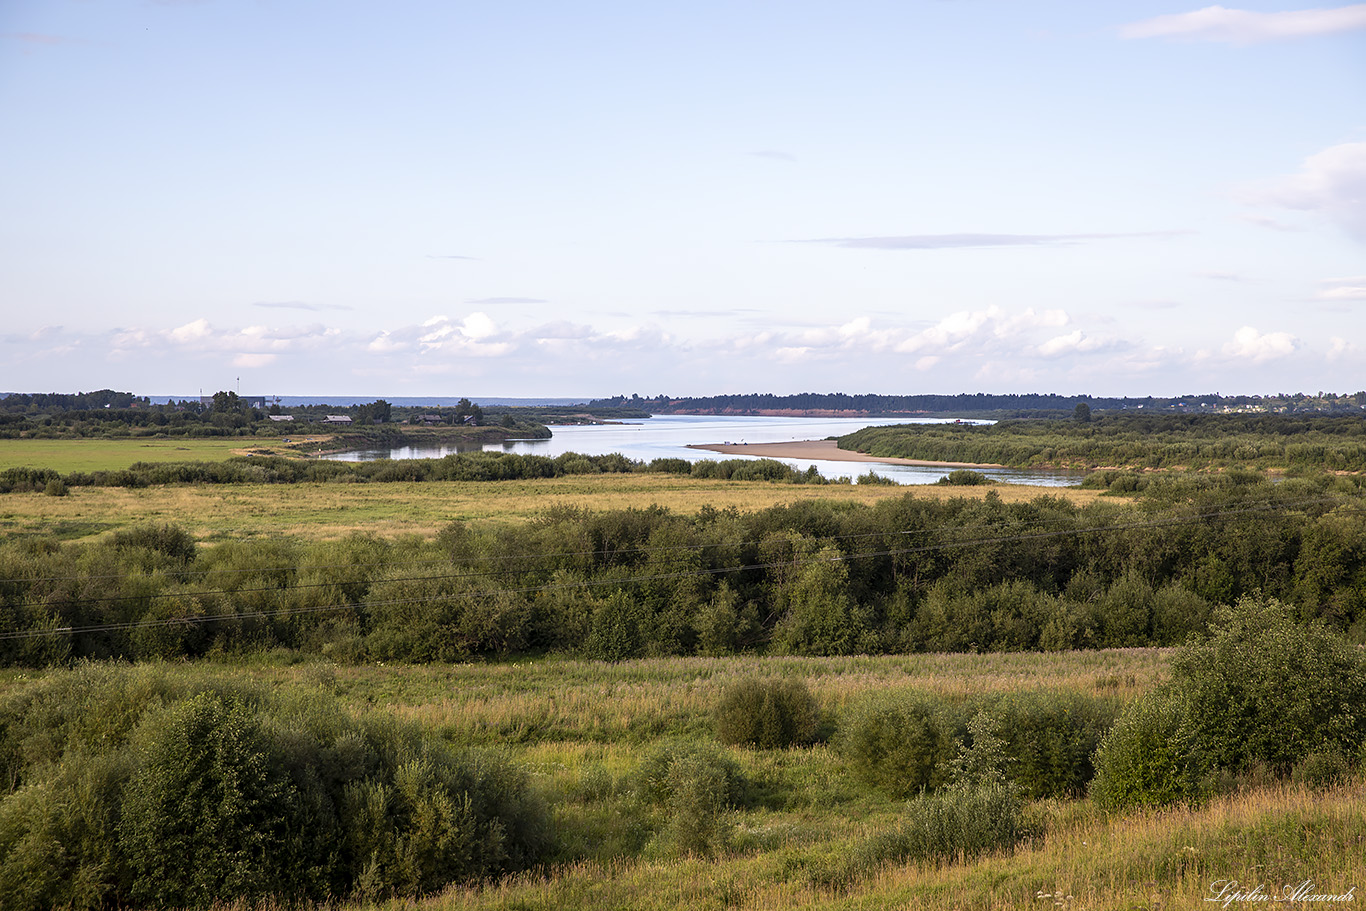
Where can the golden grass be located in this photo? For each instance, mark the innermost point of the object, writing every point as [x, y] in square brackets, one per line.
[578, 700]
[1273, 837]
[69, 455]
[334, 510]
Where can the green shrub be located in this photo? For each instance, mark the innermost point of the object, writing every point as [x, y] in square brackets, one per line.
[955, 824]
[695, 787]
[965, 477]
[1321, 770]
[1148, 758]
[617, 632]
[901, 748]
[170, 540]
[1050, 739]
[654, 779]
[1262, 687]
[131, 786]
[209, 812]
[1259, 690]
[767, 714]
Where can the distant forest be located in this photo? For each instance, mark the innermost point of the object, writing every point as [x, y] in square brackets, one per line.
[1026, 405]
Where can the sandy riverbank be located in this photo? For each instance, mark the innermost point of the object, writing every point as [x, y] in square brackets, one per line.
[823, 450]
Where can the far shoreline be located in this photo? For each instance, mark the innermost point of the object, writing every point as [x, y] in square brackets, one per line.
[823, 451]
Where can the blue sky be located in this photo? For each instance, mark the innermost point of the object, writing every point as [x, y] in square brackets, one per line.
[593, 198]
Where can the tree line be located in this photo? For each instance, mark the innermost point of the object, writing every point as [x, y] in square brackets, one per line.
[813, 578]
[1026, 404]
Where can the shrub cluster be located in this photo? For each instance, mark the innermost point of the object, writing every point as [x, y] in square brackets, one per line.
[693, 787]
[955, 824]
[128, 787]
[1260, 689]
[903, 745]
[767, 714]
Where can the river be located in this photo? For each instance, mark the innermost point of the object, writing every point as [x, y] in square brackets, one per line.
[667, 436]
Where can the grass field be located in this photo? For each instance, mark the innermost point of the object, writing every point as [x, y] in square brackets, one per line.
[102, 455]
[329, 511]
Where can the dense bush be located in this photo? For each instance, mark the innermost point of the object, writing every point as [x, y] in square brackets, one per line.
[1050, 739]
[900, 746]
[808, 578]
[694, 787]
[128, 786]
[954, 824]
[965, 477]
[905, 745]
[1147, 759]
[1262, 688]
[165, 538]
[1258, 690]
[767, 714]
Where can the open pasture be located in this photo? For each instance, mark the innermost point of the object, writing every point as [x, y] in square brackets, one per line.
[334, 510]
[97, 454]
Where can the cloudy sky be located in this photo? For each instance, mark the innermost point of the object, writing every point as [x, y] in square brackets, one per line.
[525, 198]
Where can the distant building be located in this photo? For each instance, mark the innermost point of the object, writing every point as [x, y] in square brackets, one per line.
[337, 419]
[281, 417]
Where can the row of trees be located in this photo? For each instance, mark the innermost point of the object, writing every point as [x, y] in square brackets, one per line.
[462, 466]
[122, 415]
[908, 574]
[976, 403]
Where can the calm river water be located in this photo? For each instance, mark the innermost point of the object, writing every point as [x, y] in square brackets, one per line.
[668, 436]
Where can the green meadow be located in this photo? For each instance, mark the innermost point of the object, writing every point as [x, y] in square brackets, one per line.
[103, 454]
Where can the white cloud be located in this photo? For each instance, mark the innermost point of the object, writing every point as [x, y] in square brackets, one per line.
[192, 332]
[1072, 342]
[988, 327]
[1236, 26]
[792, 355]
[385, 344]
[1257, 347]
[1339, 348]
[950, 331]
[1343, 289]
[478, 326]
[1331, 183]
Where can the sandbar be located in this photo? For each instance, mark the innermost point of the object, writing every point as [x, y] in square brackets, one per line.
[822, 450]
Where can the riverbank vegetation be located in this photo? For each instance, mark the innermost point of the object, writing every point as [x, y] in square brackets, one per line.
[1130, 441]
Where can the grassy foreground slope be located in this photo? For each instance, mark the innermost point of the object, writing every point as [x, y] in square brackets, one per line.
[585, 732]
